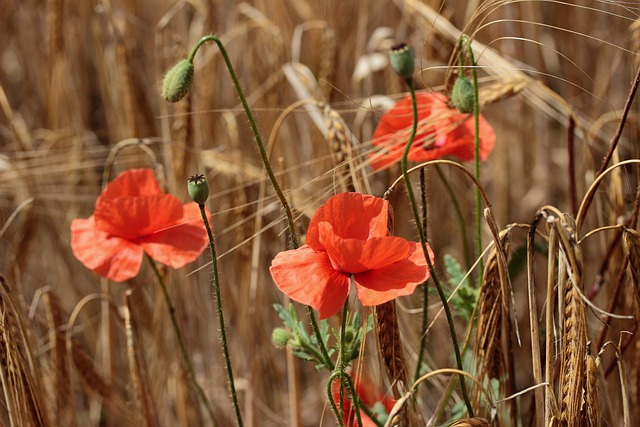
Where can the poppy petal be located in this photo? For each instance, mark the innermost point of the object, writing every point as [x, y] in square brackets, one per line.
[133, 182]
[176, 246]
[352, 215]
[442, 131]
[400, 116]
[132, 217]
[306, 276]
[355, 256]
[400, 278]
[115, 258]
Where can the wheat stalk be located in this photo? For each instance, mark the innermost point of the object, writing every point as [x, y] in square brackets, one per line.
[574, 344]
[137, 369]
[59, 363]
[24, 396]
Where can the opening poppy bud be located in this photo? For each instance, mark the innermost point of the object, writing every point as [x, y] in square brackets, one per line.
[198, 188]
[402, 60]
[280, 337]
[177, 81]
[462, 95]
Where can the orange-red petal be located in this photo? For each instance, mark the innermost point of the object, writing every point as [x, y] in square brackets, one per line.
[399, 278]
[353, 256]
[306, 276]
[352, 215]
[176, 246]
[132, 217]
[442, 131]
[400, 117]
[132, 182]
[115, 258]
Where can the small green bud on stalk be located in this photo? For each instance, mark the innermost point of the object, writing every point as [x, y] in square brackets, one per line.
[280, 337]
[198, 188]
[177, 81]
[402, 60]
[462, 95]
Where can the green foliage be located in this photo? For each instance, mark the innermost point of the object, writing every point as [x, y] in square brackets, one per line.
[305, 345]
[465, 299]
[353, 336]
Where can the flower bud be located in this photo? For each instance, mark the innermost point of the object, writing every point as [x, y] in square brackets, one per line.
[198, 188]
[349, 336]
[177, 81]
[463, 95]
[280, 337]
[402, 60]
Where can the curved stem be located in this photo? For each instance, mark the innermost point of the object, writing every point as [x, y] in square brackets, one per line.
[423, 243]
[218, 299]
[265, 161]
[186, 359]
[337, 412]
[254, 129]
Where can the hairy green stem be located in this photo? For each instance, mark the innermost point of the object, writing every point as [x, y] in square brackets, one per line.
[186, 359]
[336, 411]
[254, 129]
[421, 234]
[218, 300]
[265, 161]
[476, 155]
[425, 285]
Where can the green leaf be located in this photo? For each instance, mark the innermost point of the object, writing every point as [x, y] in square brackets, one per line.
[465, 299]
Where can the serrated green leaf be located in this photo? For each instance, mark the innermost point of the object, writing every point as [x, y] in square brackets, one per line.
[455, 272]
[465, 299]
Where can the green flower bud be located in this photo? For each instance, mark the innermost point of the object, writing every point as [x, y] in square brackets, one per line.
[402, 60]
[198, 188]
[462, 95]
[280, 337]
[177, 81]
[349, 335]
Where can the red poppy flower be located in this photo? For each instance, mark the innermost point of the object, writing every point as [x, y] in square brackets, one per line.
[347, 237]
[441, 131]
[368, 396]
[133, 216]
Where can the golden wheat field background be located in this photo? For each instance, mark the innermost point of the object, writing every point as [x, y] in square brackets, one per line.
[80, 102]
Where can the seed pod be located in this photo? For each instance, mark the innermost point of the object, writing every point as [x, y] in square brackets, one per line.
[198, 188]
[177, 81]
[402, 60]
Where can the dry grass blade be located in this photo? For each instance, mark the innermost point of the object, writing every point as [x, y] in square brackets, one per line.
[510, 86]
[59, 363]
[92, 380]
[24, 396]
[137, 370]
[635, 38]
[631, 240]
[472, 422]
[340, 145]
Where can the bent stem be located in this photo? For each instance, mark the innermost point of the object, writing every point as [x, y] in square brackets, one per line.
[218, 298]
[416, 215]
[186, 359]
[265, 161]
